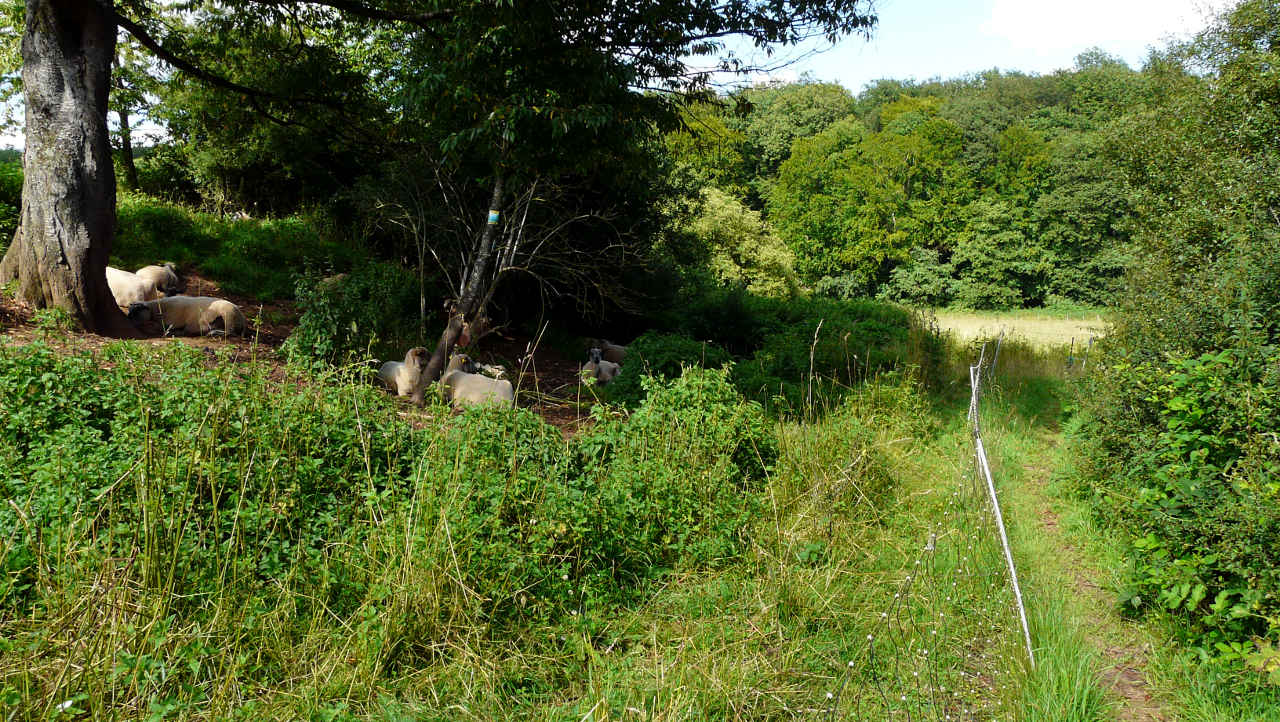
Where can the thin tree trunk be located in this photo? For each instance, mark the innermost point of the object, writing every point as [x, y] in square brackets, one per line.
[59, 254]
[126, 151]
[474, 288]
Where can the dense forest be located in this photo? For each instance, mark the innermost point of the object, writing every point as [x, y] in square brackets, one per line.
[561, 174]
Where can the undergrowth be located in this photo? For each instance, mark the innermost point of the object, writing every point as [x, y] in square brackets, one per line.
[188, 539]
[255, 257]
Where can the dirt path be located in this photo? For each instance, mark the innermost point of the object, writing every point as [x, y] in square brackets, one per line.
[1118, 642]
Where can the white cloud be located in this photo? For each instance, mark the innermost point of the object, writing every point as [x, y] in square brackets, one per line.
[1124, 27]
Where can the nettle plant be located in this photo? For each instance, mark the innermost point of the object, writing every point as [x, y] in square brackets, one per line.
[1202, 493]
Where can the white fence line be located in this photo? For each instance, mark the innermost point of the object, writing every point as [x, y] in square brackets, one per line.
[980, 452]
[915, 663]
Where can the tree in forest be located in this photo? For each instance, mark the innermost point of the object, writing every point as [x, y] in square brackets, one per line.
[852, 203]
[782, 113]
[67, 225]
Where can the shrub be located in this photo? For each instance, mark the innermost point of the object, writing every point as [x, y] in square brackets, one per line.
[238, 517]
[676, 481]
[373, 309]
[923, 281]
[10, 200]
[163, 172]
[1194, 482]
[660, 355]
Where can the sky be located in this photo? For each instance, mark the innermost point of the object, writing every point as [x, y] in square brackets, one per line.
[924, 39]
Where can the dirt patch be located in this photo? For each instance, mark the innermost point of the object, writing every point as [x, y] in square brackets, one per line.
[546, 382]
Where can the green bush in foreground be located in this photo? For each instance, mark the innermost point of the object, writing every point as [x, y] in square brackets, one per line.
[1198, 489]
[236, 530]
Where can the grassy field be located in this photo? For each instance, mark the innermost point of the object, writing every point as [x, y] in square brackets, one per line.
[1041, 328]
[235, 545]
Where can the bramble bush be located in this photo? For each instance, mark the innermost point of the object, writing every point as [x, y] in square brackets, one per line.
[660, 355]
[257, 526]
[372, 310]
[1194, 479]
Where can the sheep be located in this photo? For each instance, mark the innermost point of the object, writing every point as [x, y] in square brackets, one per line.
[128, 288]
[405, 377]
[612, 352]
[497, 371]
[599, 369]
[195, 315]
[462, 388]
[328, 283]
[165, 278]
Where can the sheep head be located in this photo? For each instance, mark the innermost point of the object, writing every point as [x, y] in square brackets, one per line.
[417, 358]
[139, 312]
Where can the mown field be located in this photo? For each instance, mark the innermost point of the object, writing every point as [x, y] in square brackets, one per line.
[1042, 328]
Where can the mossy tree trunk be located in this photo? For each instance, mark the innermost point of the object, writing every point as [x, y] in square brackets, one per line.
[59, 254]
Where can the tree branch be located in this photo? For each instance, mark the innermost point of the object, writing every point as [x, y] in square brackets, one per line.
[151, 43]
[425, 20]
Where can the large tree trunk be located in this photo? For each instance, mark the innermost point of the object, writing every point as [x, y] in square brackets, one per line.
[59, 254]
[474, 287]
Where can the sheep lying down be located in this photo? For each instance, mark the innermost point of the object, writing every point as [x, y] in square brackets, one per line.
[599, 369]
[611, 352]
[164, 277]
[129, 288]
[193, 315]
[462, 388]
[405, 377]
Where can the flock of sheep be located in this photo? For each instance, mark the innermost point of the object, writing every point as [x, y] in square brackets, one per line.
[154, 293]
[468, 383]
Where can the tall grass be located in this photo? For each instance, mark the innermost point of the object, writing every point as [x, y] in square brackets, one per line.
[225, 542]
[199, 541]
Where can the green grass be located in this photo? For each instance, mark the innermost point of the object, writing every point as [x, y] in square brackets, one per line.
[230, 543]
[252, 257]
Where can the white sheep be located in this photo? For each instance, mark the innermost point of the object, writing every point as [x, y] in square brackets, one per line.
[164, 277]
[129, 288]
[462, 388]
[195, 315]
[405, 377]
[601, 370]
[612, 352]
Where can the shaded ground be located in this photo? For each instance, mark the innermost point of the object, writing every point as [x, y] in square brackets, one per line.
[546, 381]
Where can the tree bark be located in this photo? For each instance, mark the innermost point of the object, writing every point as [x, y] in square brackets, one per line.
[474, 287]
[59, 254]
